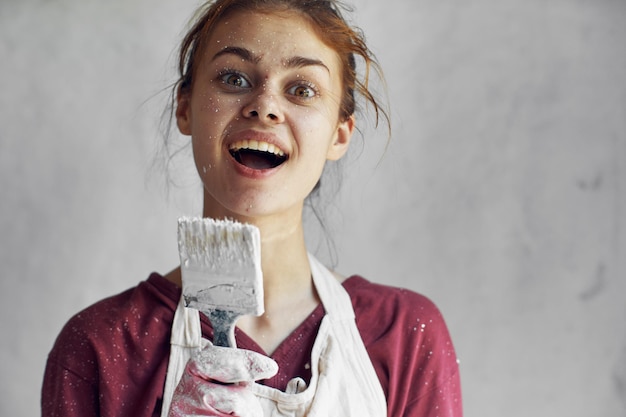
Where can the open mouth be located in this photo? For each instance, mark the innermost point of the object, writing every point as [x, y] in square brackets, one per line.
[257, 155]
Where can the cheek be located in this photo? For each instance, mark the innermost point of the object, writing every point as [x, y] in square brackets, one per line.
[213, 115]
[202, 156]
[313, 120]
[316, 129]
[210, 103]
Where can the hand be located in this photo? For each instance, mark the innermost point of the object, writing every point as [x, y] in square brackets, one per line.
[215, 383]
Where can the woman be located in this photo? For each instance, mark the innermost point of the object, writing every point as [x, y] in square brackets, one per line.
[267, 95]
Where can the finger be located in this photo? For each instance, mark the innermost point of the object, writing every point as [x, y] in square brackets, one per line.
[230, 365]
[259, 366]
[195, 396]
[235, 400]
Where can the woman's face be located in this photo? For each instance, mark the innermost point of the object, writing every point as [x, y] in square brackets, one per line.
[263, 114]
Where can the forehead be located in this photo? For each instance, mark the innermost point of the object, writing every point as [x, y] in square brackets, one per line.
[270, 34]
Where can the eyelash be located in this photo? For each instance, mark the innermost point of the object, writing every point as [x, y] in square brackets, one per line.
[307, 85]
[225, 74]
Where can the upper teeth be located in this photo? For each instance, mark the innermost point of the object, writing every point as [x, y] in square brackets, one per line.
[256, 145]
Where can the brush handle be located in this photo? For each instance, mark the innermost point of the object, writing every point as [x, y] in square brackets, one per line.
[223, 322]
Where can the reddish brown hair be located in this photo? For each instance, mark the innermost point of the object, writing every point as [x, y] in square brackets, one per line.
[327, 21]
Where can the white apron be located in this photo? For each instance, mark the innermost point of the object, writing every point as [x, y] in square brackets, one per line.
[343, 381]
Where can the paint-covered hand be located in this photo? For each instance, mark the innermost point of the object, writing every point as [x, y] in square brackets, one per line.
[215, 383]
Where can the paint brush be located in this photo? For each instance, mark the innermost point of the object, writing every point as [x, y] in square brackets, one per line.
[221, 272]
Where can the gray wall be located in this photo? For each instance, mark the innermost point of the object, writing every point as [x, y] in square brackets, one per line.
[502, 195]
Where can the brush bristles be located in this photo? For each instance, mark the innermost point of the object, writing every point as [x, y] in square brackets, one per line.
[210, 243]
[221, 265]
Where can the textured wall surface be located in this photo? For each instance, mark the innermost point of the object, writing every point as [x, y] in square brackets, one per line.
[501, 196]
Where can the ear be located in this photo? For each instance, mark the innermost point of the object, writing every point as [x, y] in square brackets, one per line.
[341, 142]
[183, 112]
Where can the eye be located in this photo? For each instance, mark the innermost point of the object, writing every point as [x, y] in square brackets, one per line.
[303, 91]
[234, 79]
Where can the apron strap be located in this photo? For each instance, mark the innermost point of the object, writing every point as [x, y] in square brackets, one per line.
[186, 341]
[338, 305]
[334, 297]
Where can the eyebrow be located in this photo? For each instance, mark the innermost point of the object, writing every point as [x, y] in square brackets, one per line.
[243, 53]
[300, 62]
[247, 55]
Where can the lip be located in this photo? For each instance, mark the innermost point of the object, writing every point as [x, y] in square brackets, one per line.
[251, 134]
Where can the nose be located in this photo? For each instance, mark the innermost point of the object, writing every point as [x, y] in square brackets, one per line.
[265, 106]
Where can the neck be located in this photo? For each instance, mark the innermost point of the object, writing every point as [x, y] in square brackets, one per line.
[284, 260]
[289, 293]
[285, 265]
